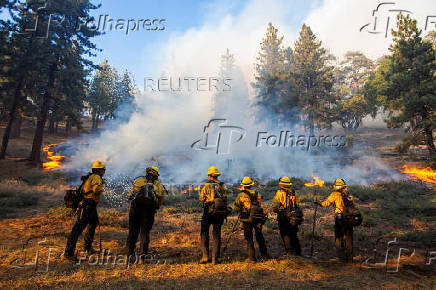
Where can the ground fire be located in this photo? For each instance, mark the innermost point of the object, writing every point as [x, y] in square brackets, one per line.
[316, 182]
[55, 159]
[423, 174]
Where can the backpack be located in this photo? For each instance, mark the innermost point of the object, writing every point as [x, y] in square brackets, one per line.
[146, 196]
[256, 214]
[352, 216]
[73, 197]
[293, 213]
[219, 205]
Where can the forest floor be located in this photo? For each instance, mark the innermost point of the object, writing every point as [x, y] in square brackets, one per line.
[34, 225]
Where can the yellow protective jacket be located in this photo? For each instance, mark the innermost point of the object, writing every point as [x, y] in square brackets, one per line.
[93, 187]
[211, 190]
[158, 188]
[283, 199]
[336, 198]
[244, 200]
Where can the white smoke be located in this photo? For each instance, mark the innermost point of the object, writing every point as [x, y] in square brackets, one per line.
[165, 124]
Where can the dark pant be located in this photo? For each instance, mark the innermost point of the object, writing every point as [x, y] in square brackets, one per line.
[141, 221]
[248, 234]
[343, 239]
[87, 215]
[289, 236]
[206, 221]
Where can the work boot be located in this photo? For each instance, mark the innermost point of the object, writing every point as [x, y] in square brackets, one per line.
[91, 250]
[69, 258]
[265, 257]
[204, 259]
[216, 261]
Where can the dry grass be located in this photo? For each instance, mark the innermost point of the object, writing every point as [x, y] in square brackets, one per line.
[32, 218]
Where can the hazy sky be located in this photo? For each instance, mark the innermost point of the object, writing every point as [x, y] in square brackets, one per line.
[205, 29]
[240, 26]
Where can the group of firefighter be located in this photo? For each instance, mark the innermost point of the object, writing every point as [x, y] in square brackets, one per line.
[147, 195]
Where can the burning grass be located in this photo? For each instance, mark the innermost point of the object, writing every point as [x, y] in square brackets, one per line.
[399, 210]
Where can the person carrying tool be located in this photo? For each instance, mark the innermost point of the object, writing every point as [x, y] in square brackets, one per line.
[285, 204]
[147, 195]
[248, 206]
[343, 230]
[213, 196]
[92, 188]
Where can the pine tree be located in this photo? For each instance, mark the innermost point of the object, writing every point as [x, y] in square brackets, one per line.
[313, 80]
[410, 90]
[63, 36]
[351, 77]
[230, 101]
[271, 77]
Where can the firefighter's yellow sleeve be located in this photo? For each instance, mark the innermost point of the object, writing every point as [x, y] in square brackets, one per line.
[336, 198]
[94, 188]
[204, 193]
[136, 187]
[160, 192]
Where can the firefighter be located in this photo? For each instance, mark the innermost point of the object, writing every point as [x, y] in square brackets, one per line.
[92, 190]
[147, 195]
[247, 199]
[284, 201]
[213, 191]
[343, 232]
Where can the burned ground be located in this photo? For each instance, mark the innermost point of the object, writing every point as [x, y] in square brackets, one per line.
[33, 218]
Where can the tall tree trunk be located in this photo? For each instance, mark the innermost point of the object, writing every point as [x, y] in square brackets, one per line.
[51, 125]
[94, 126]
[430, 141]
[56, 127]
[67, 127]
[16, 126]
[35, 155]
[12, 112]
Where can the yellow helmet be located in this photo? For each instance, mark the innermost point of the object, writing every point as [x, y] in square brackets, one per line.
[339, 184]
[153, 170]
[98, 165]
[213, 171]
[285, 181]
[247, 181]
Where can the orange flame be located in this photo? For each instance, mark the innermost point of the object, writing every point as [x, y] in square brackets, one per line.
[424, 174]
[318, 182]
[55, 160]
